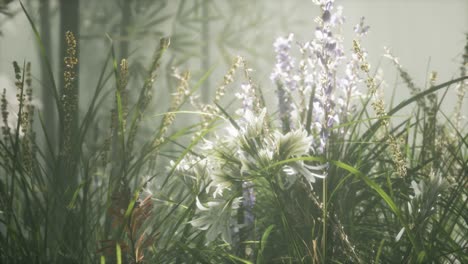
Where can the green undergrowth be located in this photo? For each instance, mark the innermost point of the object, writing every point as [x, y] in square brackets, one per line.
[134, 186]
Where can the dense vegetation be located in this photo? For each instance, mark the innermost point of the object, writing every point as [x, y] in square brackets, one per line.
[327, 172]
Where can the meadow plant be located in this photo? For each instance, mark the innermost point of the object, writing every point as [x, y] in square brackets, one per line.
[73, 203]
[327, 176]
[259, 168]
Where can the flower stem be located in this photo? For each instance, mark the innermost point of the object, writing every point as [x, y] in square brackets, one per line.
[324, 217]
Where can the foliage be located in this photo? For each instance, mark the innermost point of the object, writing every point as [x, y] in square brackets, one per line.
[330, 175]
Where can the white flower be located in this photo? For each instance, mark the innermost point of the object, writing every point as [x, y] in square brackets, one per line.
[295, 143]
[217, 217]
[220, 183]
[247, 96]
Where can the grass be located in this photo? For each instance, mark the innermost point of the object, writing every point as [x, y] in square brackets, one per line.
[247, 183]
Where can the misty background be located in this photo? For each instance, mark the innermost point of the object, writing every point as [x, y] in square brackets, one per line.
[426, 36]
[86, 160]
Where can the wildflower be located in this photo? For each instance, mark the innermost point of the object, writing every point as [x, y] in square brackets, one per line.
[297, 144]
[293, 144]
[247, 96]
[217, 217]
[284, 62]
[318, 79]
[309, 172]
[361, 29]
[69, 99]
[315, 94]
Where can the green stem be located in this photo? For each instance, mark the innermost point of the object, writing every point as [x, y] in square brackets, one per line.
[324, 216]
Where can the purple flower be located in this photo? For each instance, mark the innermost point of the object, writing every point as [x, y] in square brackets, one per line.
[284, 63]
[320, 75]
[247, 95]
[360, 28]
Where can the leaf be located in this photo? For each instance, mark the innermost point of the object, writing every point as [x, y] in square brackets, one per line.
[118, 254]
[263, 242]
[233, 122]
[398, 237]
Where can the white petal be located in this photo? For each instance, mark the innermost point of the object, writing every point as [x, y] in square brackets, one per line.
[200, 206]
[397, 238]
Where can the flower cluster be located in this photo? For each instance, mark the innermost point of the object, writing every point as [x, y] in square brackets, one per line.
[315, 93]
[229, 167]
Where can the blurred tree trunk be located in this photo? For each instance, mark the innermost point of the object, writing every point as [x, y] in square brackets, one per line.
[48, 103]
[125, 28]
